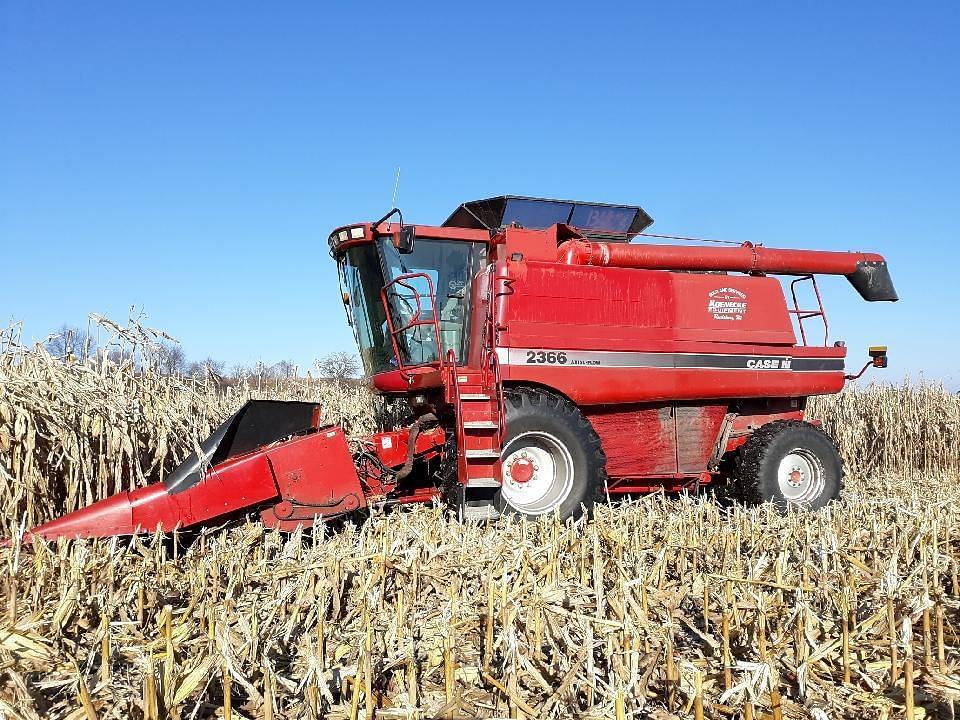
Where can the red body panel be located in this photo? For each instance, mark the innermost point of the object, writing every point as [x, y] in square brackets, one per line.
[657, 440]
[603, 303]
[240, 482]
[703, 321]
[638, 441]
[698, 427]
[316, 477]
[408, 380]
[597, 386]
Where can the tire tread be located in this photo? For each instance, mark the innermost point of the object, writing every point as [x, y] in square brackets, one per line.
[752, 458]
[541, 398]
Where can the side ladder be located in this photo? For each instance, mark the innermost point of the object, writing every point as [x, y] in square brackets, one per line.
[477, 397]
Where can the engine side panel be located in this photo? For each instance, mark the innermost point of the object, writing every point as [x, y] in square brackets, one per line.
[642, 440]
[698, 429]
[638, 440]
[667, 444]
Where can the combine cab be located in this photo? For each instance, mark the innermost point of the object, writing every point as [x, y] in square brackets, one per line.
[547, 361]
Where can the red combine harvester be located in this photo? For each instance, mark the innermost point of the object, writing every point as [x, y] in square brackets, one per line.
[547, 361]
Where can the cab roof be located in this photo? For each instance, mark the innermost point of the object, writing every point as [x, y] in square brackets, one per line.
[595, 220]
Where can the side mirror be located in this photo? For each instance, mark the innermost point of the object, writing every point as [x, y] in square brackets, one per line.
[406, 238]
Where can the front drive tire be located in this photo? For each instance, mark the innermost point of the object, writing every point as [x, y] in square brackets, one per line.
[790, 464]
[552, 460]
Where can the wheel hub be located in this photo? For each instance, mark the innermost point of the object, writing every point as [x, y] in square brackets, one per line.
[801, 476]
[796, 477]
[537, 473]
[522, 470]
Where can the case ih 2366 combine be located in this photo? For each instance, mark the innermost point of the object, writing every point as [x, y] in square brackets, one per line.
[547, 361]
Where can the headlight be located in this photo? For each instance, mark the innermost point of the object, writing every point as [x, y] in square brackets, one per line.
[338, 237]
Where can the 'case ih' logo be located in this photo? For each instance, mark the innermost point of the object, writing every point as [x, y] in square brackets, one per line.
[727, 303]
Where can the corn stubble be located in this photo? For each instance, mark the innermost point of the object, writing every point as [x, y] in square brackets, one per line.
[658, 607]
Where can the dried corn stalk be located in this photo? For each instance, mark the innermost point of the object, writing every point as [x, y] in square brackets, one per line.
[656, 608]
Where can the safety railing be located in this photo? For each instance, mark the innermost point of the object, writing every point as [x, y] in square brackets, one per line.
[415, 313]
[491, 364]
[802, 315]
[453, 397]
[497, 384]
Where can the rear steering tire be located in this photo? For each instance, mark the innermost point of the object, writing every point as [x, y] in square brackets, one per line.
[789, 463]
[552, 460]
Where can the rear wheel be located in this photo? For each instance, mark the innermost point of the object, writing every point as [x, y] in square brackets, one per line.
[552, 460]
[790, 463]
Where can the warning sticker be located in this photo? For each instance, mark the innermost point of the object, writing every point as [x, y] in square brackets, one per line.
[727, 303]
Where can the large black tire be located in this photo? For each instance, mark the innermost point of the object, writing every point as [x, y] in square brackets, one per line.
[547, 431]
[790, 464]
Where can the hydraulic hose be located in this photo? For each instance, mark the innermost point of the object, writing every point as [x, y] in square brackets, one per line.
[426, 420]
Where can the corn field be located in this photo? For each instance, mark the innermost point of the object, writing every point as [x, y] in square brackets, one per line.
[659, 607]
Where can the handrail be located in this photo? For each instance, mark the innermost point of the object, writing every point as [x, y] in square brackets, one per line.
[498, 389]
[415, 321]
[492, 366]
[450, 363]
[802, 315]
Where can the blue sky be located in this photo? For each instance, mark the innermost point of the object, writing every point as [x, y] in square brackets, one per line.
[190, 158]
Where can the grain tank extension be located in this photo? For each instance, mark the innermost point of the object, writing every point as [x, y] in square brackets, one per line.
[550, 354]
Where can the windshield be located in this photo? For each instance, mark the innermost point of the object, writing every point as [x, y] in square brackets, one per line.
[444, 269]
[362, 281]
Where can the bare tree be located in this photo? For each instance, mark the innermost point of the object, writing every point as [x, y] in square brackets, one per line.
[339, 365]
[70, 341]
[171, 359]
[207, 369]
[283, 369]
[240, 372]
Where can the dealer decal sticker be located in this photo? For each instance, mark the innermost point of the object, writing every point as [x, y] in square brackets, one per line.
[727, 303]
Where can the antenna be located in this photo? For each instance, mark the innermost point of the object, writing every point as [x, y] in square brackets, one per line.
[396, 188]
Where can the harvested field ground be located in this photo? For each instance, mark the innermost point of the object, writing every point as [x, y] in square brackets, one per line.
[657, 607]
